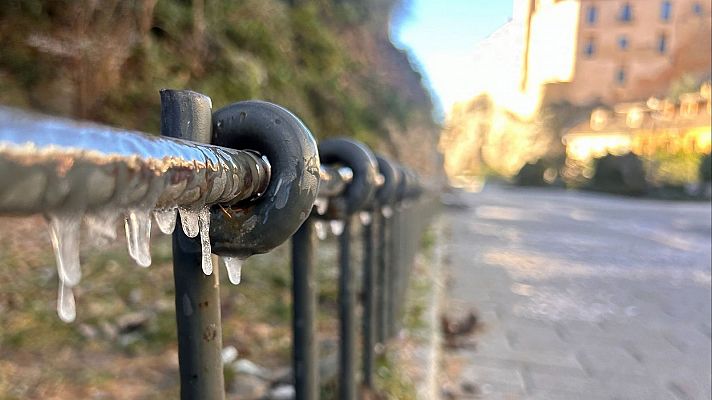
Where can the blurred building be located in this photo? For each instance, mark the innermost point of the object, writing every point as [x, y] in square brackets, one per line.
[645, 128]
[555, 60]
[610, 51]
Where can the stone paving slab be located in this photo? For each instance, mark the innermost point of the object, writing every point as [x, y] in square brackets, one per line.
[582, 296]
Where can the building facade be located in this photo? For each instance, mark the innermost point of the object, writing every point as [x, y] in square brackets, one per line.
[612, 54]
[645, 128]
[611, 51]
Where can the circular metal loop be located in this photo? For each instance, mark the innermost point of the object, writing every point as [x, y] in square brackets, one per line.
[259, 225]
[413, 188]
[402, 184]
[409, 186]
[355, 155]
[386, 194]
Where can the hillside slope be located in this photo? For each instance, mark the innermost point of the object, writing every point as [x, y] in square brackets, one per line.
[329, 61]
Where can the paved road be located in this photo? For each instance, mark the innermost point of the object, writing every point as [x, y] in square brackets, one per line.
[582, 296]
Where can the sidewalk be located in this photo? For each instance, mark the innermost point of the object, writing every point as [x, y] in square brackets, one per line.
[581, 297]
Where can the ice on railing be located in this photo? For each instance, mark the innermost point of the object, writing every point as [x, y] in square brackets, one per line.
[365, 218]
[337, 226]
[204, 222]
[102, 226]
[138, 236]
[321, 204]
[320, 228]
[64, 232]
[233, 265]
[166, 220]
[189, 221]
[76, 172]
[66, 307]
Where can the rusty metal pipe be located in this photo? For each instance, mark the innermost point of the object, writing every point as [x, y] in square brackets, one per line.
[52, 164]
[333, 180]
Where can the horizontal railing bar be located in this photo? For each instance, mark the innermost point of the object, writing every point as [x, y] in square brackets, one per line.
[333, 180]
[50, 164]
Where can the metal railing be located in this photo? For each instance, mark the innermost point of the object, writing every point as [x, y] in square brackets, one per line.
[377, 198]
[243, 180]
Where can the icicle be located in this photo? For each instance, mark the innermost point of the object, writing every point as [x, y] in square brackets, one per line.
[138, 236]
[320, 229]
[365, 218]
[233, 265]
[66, 307]
[337, 226]
[204, 222]
[102, 226]
[321, 204]
[165, 219]
[64, 234]
[387, 211]
[189, 220]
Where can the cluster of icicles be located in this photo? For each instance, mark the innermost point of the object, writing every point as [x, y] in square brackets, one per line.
[65, 230]
[336, 225]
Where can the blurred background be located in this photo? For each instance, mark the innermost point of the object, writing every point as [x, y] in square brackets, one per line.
[594, 95]
[565, 89]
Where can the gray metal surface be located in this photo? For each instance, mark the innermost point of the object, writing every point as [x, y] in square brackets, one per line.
[333, 180]
[197, 296]
[276, 133]
[304, 297]
[347, 316]
[383, 268]
[55, 164]
[369, 303]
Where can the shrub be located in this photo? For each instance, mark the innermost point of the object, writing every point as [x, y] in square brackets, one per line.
[620, 174]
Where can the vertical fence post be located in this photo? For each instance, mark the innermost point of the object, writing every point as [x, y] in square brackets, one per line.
[347, 316]
[383, 274]
[305, 356]
[408, 234]
[396, 268]
[187, 115]
[369, 302]
[395, 250]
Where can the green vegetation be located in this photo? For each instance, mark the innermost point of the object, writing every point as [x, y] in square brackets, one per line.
[675, 169]
[124, 338]
[620, 174]
[123, 343]
[392, 381]
[329, 61]
[687, 83]
[705, 172]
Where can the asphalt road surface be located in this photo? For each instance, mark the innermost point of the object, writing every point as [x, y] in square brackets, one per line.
[582, 296]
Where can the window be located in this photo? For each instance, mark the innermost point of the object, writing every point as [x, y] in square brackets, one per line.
[689, 108]
[626, 13]
[623, 42]
[665, 10]
[591, 15]
[589, 49]
[634, 117]
[662, 43]
[697, 8]
[621, 76]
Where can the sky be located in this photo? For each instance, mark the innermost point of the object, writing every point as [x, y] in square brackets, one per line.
[441, 35]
